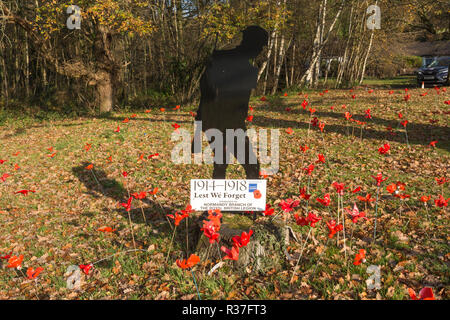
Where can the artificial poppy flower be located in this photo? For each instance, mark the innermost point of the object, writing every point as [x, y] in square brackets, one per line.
[32, 274]
[288, 205]
[250, 118]
[441, 180]
[360, 257]
[288, 109]
[379, 179]
[263, 98]
[187, 210]
[162, 109]
[243, 239]
[2, 161]
[289, 130]
[153, 155]
[176, 126]
[52, 155]
[326, 200]
[193, 114]
[441, 201]
[384, 149]
[368, 198]
[177, 107]
[357, 189]
[321, 126]
[153, 192]
[125, 174]
[189, 263]
[355, 213]
[404, 123]
[106, 229]
[312, 110]
[263, 174]
[315, 122]
[215, 216]
[340, 187]
[147, 111]
[16, 154]
[304, 148]
[391, 91]
[303, 194]
[4, 177]
[321, 158]
[232, 254]
[424, 294]
[25, 192]
[126, 120]
[313, 219]
[347, 115]
[304, 104]
[407, 97]
[425, 199]
[177, 217]
[309, 169]
[86, 268]
[110, 158]
[285, 94]
[127, 205]
[257, 194]
[433, 143]
[210, 231]
[89, 167]
[16, 167]
[370, 91]
[117, 130]
[6, 256]
[269, 211]
[15, 262]
[301, 221]
[333, 228]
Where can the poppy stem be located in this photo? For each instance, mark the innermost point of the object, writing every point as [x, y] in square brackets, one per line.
[143, 214]
[196, 287]
[320, 257]
[187, 238]
[343, 224]
[376, 215]
[301, 255]
[406, 134]
[171, 242]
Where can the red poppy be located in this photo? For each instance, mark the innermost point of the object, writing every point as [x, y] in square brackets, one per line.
[176, 126]
[232, 254]
[210, 231]
[333, 228]
[326, 200]
[117, 130]
[126, 120]
[304, 148]
[301, 221]
[304, 104]
[321, 126]
[89, 167]
[2, 161]
[424, 294]
[269, 211]
[441, 180]
[303, 194]
[189, 263]
[356, 189]
[250, 118]
[177, 107]
[441, 201]
[15, 262]
[313, 219]
[6, 257]
[106, 229]
[309, 169]
[4, 177]
[177, 217]
[368, 198]
[433, 143]
[379, 179]
[384, 149]
[347, 115]
[425, 199]
[288, 205]
[263, 98]
[32, 274]
[289, 130]
[25, 192]
[321, 158]
[404, 123]
[257, 194]
[340, 187]
[86, 268]
[355, 213]
[127, 205]
[360, 257]
[243, 239]
[153, 155]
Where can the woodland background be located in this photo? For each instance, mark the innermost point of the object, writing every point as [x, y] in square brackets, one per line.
[152, 53]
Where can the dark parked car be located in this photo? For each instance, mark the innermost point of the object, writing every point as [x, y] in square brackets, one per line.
[434, 73]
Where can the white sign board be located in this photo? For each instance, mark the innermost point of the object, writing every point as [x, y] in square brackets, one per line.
[228, 195]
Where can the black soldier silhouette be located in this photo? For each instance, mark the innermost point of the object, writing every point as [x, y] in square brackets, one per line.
[225, 89]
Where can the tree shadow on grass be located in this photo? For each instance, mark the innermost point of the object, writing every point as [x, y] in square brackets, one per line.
[418, 133]
[153, 211]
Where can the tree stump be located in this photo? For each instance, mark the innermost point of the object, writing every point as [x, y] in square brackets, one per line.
[264, 252]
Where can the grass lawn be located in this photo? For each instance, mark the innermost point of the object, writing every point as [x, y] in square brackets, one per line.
[57, 225]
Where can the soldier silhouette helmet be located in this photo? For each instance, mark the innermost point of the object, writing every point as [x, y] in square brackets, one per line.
[254, 38]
